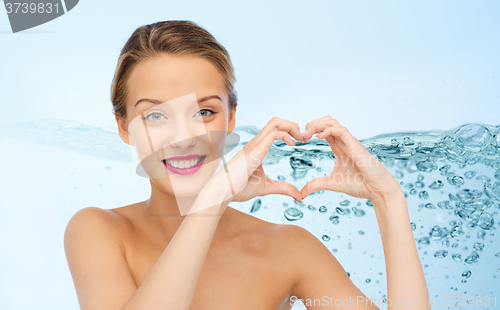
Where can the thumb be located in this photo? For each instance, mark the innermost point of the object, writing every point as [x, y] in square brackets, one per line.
[315, 185]
[282, 188]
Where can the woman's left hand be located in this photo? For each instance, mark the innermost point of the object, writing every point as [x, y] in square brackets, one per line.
[356, 172]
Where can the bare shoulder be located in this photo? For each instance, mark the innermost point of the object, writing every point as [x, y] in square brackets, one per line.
[97, 220]
[284, 238]
[96, 259]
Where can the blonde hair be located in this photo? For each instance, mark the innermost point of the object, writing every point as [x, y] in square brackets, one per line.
[175, 37]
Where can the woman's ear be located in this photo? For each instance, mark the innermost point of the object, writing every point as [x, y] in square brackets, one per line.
[232, 121]
[123, 130]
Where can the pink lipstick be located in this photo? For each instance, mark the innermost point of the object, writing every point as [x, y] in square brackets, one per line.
[181, 161]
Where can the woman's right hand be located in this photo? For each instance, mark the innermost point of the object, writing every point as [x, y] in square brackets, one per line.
[245, 172]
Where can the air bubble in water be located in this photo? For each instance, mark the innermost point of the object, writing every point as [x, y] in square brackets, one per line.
[435, 232]
[472, 258]
[472, 136]
[429, 205]
[441, 254]
[293, 214]
[493, 193]
[445, 204]
[426, 166]
[454, 179]
[465, 195]
[358, 212]
[478, 246]
[424, 240]
[481, 234]
[470, 174]
[444, 169]
[485, 221]
[256, 205]
[345, 203]
[436, 184]
[311, 207]
[466, 274]
[335, 219]
[300, 164]
[423, 195]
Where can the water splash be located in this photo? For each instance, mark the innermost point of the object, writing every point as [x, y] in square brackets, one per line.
[102, 142]
[449, 178]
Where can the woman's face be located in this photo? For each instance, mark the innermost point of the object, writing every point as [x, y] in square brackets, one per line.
[177, 120]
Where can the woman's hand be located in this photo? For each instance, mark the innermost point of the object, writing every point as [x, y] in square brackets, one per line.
[356, 172]
[245, 173]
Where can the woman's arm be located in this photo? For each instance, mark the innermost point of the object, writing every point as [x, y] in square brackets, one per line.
[359, 174]
[171, 283]
[322, 283]
[405, 276]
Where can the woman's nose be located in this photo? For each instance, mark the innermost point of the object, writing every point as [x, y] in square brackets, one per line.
[183, 142]
[186, 134]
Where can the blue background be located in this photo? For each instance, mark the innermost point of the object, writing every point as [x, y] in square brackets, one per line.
[375, 66]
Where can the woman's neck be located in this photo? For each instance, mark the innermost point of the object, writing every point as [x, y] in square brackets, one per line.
[163, 217]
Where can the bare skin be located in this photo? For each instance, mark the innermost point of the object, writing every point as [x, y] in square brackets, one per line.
[132, 258]
[245, 260]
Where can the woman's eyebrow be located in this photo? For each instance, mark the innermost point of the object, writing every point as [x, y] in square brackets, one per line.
[155, 101]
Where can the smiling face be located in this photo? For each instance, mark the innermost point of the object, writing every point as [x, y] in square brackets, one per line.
[177, 120]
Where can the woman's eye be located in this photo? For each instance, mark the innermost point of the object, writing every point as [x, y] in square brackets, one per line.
[205, 112]
[154, 116]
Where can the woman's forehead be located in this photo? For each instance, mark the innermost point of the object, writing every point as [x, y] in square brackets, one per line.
[168, 77]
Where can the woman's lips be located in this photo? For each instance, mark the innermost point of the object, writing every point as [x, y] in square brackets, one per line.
[187, 157]
[177, 166]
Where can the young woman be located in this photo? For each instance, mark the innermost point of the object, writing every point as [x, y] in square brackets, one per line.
[185, 247]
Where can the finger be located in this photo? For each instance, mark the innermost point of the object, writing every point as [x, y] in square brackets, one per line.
[326, 117]
[256, 152]
[277, 123]
[337, 146]
[278, 135]
[281, 188]
[318, 184]
[296, 126]
[322, 119]
[352, 145]
[318, 126]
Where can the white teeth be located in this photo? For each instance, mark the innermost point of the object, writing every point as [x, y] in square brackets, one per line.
[183, 164]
